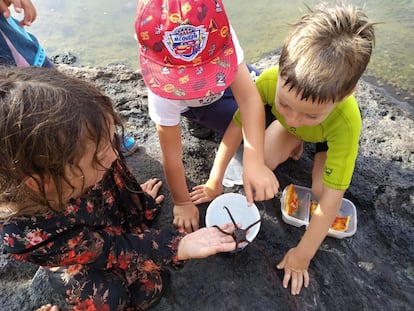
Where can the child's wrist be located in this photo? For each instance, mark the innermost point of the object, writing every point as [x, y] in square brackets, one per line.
[305, 251]
[183, 203]
[213, 181]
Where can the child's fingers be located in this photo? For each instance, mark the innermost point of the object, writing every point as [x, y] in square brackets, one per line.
[306, 278]
[4, 9]
[282, 263]
[287, 277]
[159, 199]
[249, 194]
[157, 184]
[151, 185]
[48, 307]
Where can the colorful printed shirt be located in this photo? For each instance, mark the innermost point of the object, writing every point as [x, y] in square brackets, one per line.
[341, 130]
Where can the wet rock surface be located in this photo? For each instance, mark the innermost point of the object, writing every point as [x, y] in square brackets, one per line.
[373, 270]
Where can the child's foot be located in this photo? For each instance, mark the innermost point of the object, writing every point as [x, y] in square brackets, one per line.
[297, 152]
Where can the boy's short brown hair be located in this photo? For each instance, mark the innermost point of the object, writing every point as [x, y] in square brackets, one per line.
[326, 53]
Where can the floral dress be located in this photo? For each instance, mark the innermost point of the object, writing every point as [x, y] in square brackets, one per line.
[100, 253]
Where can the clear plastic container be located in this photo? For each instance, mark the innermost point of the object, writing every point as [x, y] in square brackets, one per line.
[301, 216]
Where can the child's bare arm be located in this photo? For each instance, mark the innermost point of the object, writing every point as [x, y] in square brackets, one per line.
[186, 214]
[258, 180]
[213, 187]
[296, 261]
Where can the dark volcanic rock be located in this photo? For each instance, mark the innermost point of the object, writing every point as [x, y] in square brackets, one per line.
[63, 59]
[373, 270]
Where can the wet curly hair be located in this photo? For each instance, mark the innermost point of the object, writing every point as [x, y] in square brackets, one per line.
[45, 118]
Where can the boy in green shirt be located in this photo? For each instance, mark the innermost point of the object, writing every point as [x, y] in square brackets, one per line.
[310, 94]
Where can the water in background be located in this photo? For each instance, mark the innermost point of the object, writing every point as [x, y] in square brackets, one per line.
[102, 32]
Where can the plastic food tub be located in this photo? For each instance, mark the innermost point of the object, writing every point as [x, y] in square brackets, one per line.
[301, 216]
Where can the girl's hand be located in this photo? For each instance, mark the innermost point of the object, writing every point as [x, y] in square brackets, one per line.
[152, 186]
[205, 242]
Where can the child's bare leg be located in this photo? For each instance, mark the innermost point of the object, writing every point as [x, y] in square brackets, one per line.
[279, 144]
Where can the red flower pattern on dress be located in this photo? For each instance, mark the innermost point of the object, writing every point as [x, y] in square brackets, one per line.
[123, 261]
[72, 209]
[8, 240]
[74, 269]
[36, 236]
[85, 305]
[89, 207]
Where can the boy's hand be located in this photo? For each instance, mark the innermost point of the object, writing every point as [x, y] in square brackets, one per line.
[27, 6]
[259, 182]
[296, 271]
[207, 192]
[186, 216]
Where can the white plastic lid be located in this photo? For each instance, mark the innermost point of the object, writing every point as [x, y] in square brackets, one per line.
[242, 214]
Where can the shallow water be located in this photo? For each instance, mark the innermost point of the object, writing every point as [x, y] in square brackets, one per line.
[102, 32]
